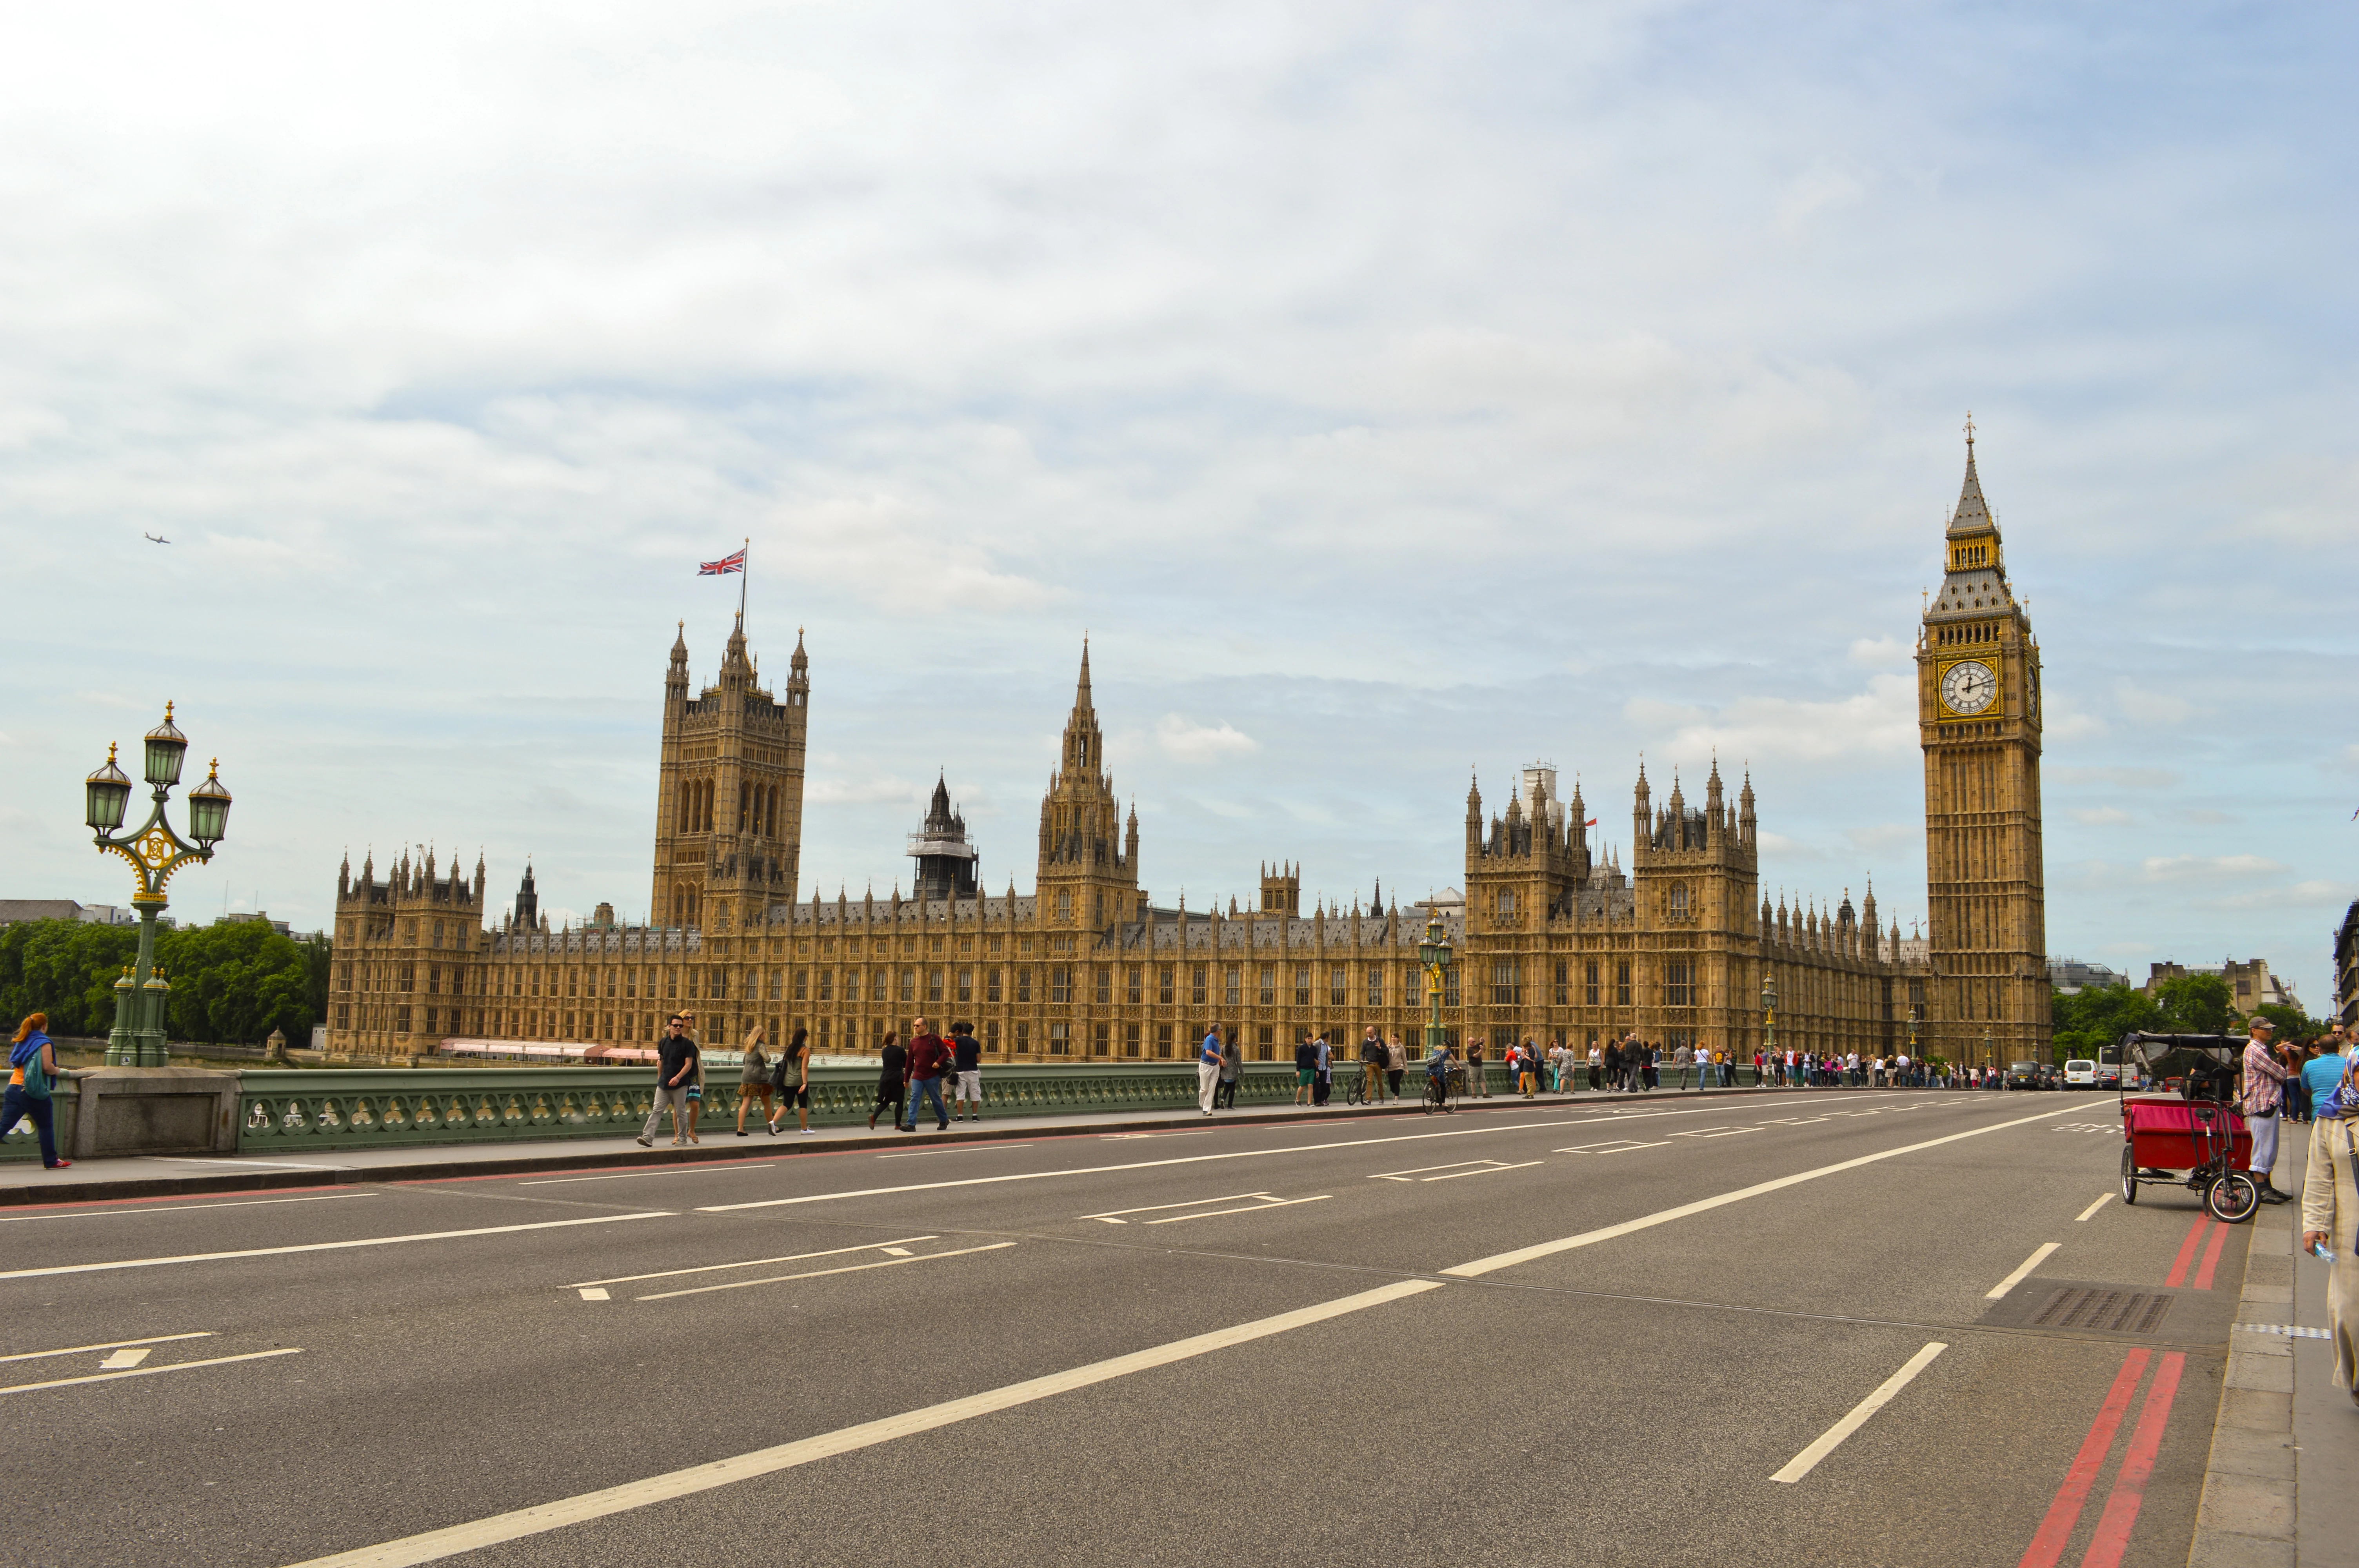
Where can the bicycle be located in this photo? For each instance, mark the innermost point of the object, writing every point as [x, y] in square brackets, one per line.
[1442, 1090]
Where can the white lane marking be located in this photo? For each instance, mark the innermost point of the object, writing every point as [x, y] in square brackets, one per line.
[1715, 1131]
[325, 1246]
[1618, 1146]
[2016, 1277]
[749, 1263]
[954, 1148]
[897, 1252]
[149, 1371]
[706, 1169]
[239, 1164]
[1463, 1168]
[123, 1358]
[821, 1273]
[2103, 1198]
[1112, 1216]
[1121, 1137]
[176, 1208]
[107, 1344]
[1801, 1464]
[1481, 1266]
[432, 1546]
[435, 1544]
[594, 1293]
[1248, 1208]
[2287, 1328]
[1552, 1125]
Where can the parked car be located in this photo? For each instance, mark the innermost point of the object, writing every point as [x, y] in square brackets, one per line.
[2080, 1074]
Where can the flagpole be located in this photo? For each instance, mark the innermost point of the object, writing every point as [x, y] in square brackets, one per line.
[744, 571]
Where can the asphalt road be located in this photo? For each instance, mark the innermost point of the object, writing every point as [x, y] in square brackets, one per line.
[1529, 1333]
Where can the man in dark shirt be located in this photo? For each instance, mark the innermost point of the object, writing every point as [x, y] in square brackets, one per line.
[675, 1073]
[892, 1072]
[928, 1057]
[966, 1062]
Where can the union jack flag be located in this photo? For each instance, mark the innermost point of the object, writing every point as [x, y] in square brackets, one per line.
[722, 566]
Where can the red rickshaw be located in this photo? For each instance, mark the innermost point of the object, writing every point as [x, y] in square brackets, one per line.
[2194, 1137]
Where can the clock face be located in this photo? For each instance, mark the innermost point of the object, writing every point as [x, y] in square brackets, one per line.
[2032, 693]
[1968, 687]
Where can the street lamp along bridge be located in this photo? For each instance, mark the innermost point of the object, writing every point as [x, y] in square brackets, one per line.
[155, 851]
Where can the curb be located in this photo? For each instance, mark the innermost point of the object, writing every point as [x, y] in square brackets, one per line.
[14, 1197]
[2245, 1519]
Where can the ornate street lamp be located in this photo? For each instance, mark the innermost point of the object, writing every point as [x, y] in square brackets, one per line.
[1769, 1016]
[155, 851]
[1434, 954]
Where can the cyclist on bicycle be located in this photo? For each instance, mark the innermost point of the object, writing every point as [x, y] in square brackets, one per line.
[1437, 1074]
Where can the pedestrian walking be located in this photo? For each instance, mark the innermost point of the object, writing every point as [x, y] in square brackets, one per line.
[791, 1077]
[928, 1057]
[2263, 1097]
[1478, 1082]
[32, 1071]
[1527, 1071]
[892, 1079]
[1322, 1061]
[2330, 1220]
[966, 1067]
[1210, 1062]
[1372, 1065]
[1596, 1066]
[1306, 1069]
[754, 1082]
[1396, 1064]
[1233, 1067]
[676, 1062]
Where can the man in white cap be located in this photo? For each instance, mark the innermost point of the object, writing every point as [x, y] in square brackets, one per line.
[2263, 1098]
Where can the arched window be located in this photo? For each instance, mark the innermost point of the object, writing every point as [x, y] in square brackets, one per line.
[1679, 901]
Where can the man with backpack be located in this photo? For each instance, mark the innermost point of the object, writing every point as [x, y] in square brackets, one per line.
[676, 1057]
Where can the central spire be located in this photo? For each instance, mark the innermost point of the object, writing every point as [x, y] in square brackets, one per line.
[1082, 688]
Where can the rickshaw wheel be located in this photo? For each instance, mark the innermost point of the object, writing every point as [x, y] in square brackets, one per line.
[2129, 1175]
[2232, 1198]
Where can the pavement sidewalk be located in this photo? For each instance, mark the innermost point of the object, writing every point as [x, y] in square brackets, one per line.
[2276, 1490]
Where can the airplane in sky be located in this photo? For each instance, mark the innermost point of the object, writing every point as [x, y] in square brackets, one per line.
[154, 539]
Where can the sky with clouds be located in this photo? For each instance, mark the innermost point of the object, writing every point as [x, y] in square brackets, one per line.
[1386, 390]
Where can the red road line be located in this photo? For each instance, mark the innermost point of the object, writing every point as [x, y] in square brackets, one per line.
[2056, 1531]
[2177, 1275]
[2211, 1258]
[2113, 1537]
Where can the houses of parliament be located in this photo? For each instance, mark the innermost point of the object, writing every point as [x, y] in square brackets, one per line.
[1552, 940]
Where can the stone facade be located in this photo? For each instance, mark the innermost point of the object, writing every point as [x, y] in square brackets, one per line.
[1551, 942]
[1979, 723]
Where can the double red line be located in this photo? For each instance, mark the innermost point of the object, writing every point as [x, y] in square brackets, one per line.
[2177, 1275]
[2113, 1537]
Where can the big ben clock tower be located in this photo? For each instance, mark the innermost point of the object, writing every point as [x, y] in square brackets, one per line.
[1978, 721]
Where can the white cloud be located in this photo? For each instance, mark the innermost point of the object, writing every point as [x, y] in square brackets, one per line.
[1880, 652]
[1188, 741]
[2159, 710]
[2098, 816]
[1880, 722]
[2213, 868]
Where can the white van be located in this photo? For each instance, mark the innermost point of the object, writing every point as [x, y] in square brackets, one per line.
[2080, 1075]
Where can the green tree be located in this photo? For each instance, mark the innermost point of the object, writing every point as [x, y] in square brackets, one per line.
[2293, 1026]
[2091, 1022]
[2198, 1004]
[230, 983]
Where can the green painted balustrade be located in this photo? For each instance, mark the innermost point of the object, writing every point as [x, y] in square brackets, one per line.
[360, 1108]
[383, 1108]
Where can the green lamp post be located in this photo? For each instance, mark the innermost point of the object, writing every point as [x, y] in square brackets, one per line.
[1768, 1017]
[155, 851]
[1434, 954]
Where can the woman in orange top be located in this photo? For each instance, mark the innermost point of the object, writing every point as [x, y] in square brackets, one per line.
[32, 1064]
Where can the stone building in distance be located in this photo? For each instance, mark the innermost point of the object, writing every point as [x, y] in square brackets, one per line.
[1553, 941]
